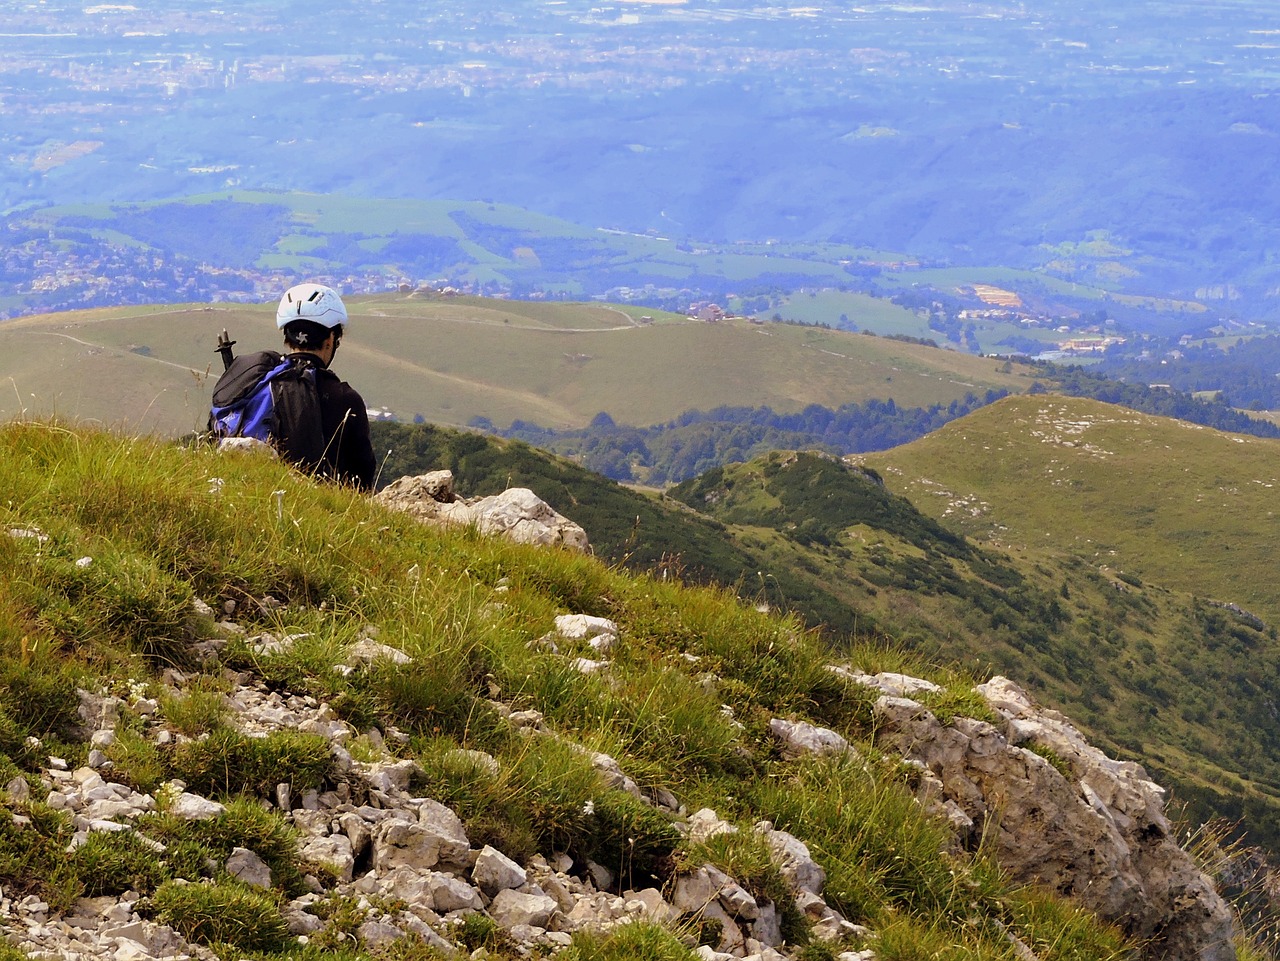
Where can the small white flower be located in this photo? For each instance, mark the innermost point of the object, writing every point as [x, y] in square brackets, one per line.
[589, 808]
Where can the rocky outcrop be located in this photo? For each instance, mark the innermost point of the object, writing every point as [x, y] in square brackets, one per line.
[516, 513]
[404, 860]
[1062, 814]
[1056, 811]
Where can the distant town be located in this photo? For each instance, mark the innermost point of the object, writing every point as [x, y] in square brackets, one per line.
[961, 132]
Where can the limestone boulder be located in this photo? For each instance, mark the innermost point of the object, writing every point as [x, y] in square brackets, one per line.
[517, 513]
[494, 872]
[512, 908]
[1098, 834]
[398, 843]
[798, 737]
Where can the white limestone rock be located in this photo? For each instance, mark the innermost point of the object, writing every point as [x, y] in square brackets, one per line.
[798, 738]
[453, 894]
[705, 823]
[650, 904]
[438, 838]
[580, 627]
[792, 857]
[511, 908]
[249, 868]
[494, 872]
[192, 807]
[1101, 835]
[406, 884]
[367, 651]
[517, 513]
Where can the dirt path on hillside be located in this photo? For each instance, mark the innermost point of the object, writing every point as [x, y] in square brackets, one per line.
[122, 352]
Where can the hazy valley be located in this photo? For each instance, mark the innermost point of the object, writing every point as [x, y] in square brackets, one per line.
[1114, 147]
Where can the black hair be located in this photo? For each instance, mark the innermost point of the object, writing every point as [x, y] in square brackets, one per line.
[308, 335]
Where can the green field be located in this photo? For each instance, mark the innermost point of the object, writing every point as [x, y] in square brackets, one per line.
[863, 312]
[450, 360]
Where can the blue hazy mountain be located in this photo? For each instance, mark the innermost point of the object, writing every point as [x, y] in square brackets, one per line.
[1131, 143]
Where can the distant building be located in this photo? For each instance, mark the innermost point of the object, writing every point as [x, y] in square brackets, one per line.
[1089, 345]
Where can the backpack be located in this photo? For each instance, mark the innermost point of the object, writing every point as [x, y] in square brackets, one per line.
[272, 399]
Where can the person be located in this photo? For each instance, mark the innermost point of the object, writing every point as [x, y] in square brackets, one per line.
[312, 319]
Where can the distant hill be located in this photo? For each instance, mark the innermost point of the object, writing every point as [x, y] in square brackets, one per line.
[448, 360]
[1186, 506]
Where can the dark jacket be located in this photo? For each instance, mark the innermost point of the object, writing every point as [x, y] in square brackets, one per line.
[348, 456]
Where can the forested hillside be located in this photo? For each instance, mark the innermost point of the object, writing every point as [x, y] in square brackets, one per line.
[699, 441]
[1245, 372]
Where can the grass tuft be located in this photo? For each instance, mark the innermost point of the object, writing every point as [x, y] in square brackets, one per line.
[228, 763]
[112, 862]
[629, 942]
[222, 913]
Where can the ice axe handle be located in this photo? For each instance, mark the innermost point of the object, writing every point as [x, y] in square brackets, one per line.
[225, 343]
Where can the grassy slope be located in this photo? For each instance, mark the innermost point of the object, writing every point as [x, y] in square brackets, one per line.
[809, 535]
[158, 532]
[1188, 507]
[454, 359]
[644, 532]
[1114, 654]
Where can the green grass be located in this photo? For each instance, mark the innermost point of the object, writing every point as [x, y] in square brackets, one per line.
[1176, 504]
[340, 565]
[631, 942]
[864, 312]
[223, 913]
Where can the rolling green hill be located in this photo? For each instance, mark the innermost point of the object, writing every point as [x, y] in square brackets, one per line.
[448, 360]
[1185, 506]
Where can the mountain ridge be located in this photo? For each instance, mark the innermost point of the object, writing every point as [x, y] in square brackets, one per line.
[1185, 505]
[152, 367]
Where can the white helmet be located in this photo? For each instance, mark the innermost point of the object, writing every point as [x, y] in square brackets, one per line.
[314, 302]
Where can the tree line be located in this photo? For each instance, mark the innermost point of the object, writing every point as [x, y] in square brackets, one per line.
[698, 441]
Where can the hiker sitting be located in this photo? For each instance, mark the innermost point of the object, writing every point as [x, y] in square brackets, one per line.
[294, 401]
